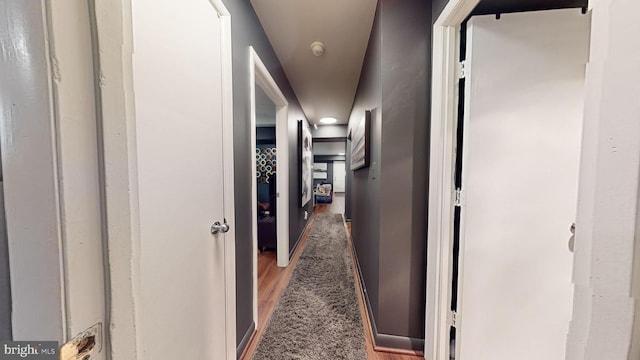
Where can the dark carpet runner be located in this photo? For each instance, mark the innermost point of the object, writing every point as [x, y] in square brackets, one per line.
[318, 315]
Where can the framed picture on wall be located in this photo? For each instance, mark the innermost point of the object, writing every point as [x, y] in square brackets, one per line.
[320, 166]
[319, 174]
[305, 157]
[360, 142]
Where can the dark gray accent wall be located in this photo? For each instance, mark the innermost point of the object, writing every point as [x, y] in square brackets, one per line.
[297, 222]
[389, 198]
[365, 183]
[437, 7]
[247, 31]
[266, 134]
[325, 158]
[406, 55]
[365, 218]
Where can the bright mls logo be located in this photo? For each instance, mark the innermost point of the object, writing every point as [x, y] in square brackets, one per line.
[31, 350]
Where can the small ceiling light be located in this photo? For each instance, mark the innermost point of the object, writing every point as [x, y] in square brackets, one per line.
[317, 48]
[341, 154]
[328, 120]
[315, 126]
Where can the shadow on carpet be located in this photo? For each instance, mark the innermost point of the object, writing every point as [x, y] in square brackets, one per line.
[318, 316]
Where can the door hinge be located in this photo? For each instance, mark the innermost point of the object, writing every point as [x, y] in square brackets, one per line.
[462, 69]
[458, 198]
[453, 316]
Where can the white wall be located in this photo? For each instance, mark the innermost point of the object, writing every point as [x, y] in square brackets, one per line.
[603, 308]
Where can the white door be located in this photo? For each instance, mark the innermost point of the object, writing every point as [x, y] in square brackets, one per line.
[523, 120]
[178, 80]
[339, 174]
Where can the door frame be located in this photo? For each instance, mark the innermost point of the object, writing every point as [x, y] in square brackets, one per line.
[444, 120]
[259, 75]
[113, 54]
[34, 224]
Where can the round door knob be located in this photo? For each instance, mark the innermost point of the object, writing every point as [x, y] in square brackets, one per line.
[218, 227]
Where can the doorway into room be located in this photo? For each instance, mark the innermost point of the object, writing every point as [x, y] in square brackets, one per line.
[329, 175]
[266, 158]
[270, 179]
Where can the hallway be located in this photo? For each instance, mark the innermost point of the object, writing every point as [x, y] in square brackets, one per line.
[273, 280]
[130, 134]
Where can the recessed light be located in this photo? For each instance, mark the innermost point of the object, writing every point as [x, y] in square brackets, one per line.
[328, 120]
[341, 154]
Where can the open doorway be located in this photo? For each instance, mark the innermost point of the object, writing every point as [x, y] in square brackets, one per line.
[266, 165]
[266, 174]
[329, 175]
[270, 180]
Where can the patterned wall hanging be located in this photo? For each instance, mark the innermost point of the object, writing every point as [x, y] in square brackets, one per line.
[265, 164]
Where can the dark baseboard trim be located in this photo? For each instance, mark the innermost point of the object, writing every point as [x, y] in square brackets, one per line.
[385, 340]
[245, 340]
[295, 247]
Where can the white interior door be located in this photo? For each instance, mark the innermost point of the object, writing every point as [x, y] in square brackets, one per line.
[523, 120]
[339, 174]
[178, 79]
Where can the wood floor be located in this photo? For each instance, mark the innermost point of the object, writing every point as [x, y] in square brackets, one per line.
[336, 206]
[271, 283]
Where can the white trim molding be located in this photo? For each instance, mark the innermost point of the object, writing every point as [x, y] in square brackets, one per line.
[259, 75]
[441, 176]
[113, 61]
[32, 173]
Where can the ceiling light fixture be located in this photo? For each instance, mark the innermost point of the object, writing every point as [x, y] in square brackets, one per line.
[341, 154]
[317, 48]
[315, 126]
[328, 120]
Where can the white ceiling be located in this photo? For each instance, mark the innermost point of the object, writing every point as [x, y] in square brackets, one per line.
[325, 85]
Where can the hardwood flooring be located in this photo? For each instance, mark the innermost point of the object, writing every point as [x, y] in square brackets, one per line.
[336, 206]
[271, 283]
